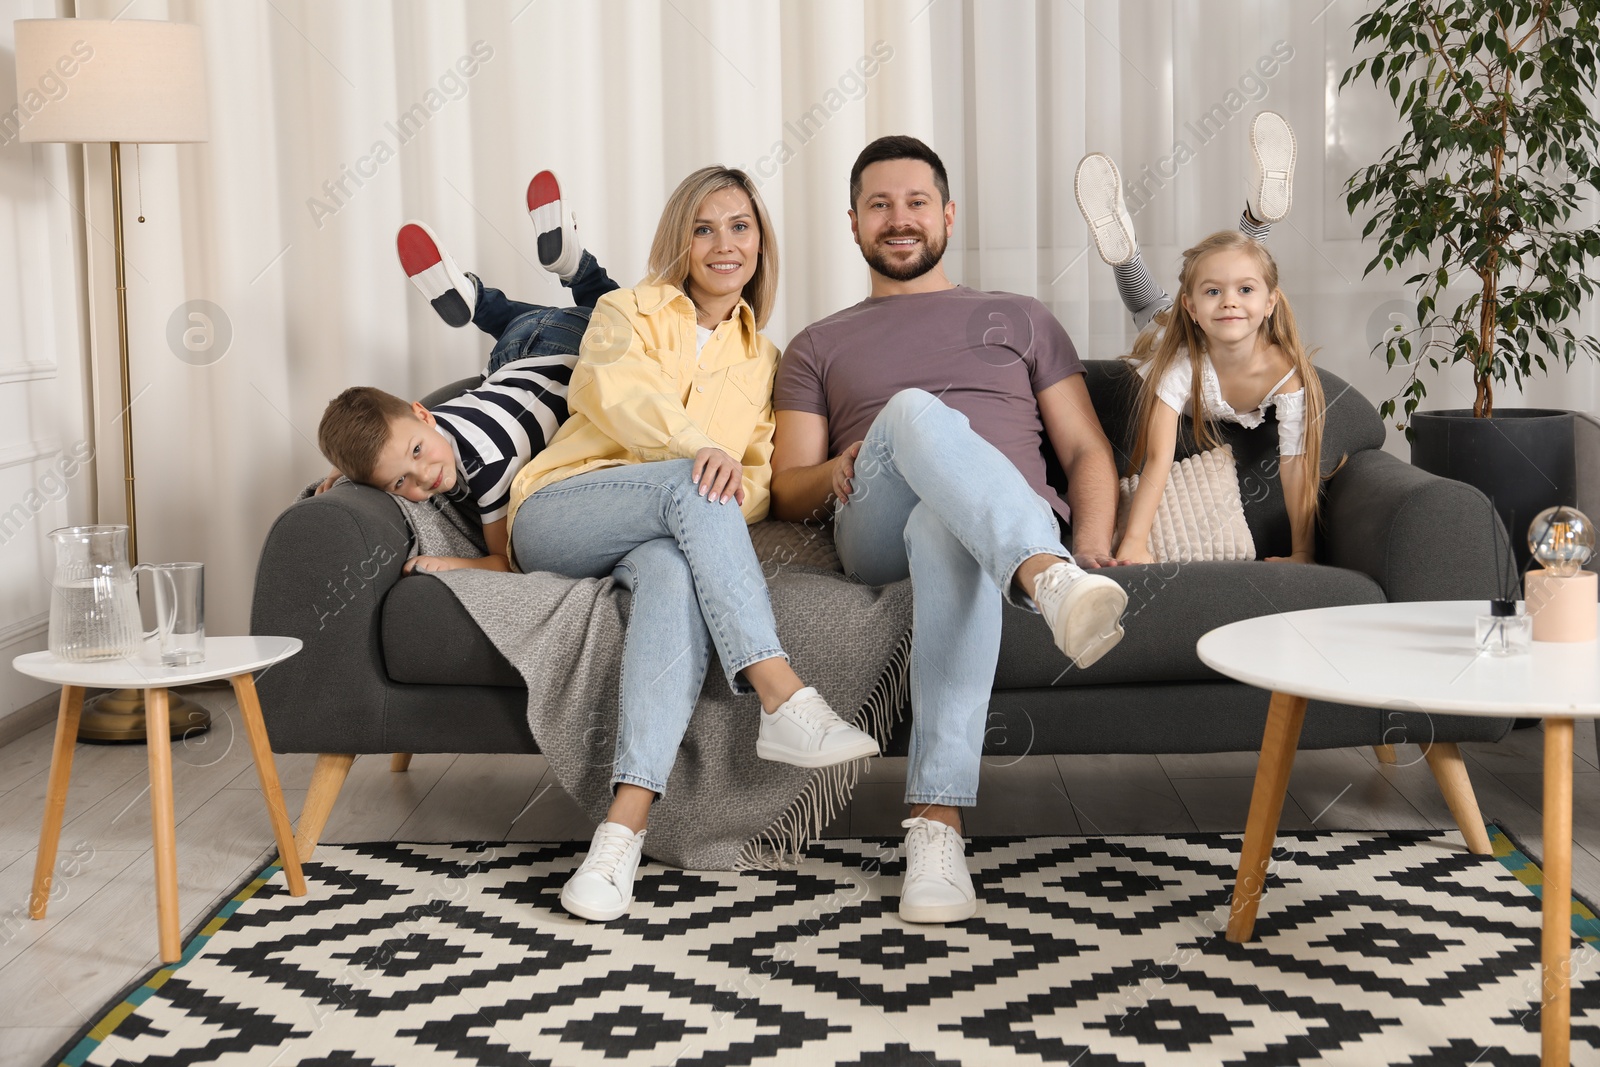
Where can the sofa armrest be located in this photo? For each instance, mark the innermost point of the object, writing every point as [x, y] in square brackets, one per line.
[326, 565]
[1419, 536]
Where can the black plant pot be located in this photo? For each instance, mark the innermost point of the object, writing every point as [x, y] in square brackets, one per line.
[1522, 459]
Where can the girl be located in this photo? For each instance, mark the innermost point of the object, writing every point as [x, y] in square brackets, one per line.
[1228, 351]
[671, 420]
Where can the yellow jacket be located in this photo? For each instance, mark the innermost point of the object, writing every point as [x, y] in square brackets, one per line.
[639, 393]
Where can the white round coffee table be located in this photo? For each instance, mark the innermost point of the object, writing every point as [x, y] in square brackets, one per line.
[234, 658]
[1420, 657]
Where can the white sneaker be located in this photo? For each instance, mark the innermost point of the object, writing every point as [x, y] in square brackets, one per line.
[1099, 190]
[1272, 154]
[442, 284]
[937, 887]
[1084, 611]
[559, 250]
[805, 732]
[602, 887]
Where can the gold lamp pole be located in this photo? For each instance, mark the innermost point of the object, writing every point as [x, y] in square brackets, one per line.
[126, 81]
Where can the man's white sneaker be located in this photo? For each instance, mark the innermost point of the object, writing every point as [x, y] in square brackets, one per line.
[1099, 190]
[937, 886]
[1272, 156]
[602, 887]
[805, 732]
[1084, 611]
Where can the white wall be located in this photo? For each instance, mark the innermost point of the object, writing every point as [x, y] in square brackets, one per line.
[45, 434]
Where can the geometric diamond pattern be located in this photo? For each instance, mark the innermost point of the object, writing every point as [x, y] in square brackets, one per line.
[1370, 949]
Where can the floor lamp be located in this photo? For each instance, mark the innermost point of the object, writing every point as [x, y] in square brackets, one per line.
[116, 81]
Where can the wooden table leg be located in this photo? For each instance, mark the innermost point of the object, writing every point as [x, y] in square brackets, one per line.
[1278, 743]
[1450, 771]
[55, 797]
[158, 736]
[244, 688]
[1556, 978]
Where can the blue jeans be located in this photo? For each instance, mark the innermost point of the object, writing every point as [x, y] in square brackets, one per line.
[935, 501]
[522, 330]
[696, 585]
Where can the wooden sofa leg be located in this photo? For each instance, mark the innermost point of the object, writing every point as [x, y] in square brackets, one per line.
[400, 761]
[327, 778]
[1450, 771]
[1385, 753]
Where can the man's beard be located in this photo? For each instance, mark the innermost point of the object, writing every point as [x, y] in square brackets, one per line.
[933, 246]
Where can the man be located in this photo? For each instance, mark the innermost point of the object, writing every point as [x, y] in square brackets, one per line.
[920, 410]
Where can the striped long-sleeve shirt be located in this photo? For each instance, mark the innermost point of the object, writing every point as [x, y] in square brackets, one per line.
[497, 427]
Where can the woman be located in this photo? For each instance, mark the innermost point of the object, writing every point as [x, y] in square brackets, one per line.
[671, 422]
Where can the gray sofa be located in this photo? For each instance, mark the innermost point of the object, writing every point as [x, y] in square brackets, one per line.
[397, 666]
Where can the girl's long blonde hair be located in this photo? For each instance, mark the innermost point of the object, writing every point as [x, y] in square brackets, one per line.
[669, 252]
[1183, 339]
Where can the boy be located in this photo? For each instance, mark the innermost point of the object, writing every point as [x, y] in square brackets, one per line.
[471, 447]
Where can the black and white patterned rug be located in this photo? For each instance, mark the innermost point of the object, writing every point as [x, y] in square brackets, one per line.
[1370, 949]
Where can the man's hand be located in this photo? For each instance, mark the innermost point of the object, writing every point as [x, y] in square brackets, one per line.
[1296, 558]
[844, 472]
[1093, 561]
[327, 483]
[719, 476]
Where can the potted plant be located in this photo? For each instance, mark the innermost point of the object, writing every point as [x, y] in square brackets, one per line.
[1500, 148]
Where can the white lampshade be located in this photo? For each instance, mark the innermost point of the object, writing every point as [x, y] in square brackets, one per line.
[133, 80]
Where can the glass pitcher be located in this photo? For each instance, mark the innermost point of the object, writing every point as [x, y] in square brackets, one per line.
[94, 605]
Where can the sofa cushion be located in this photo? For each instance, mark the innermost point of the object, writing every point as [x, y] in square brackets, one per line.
[1170, 607]
[429, 638]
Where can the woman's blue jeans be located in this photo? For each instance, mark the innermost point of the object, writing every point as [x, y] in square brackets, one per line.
[696, 585]
[933, 500]
[521, 330]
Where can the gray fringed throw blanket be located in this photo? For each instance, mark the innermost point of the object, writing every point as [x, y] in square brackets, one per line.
[725, 808]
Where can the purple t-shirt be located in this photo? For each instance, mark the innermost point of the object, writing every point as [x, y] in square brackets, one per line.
[986, 355]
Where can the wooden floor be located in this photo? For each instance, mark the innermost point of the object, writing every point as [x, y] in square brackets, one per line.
[100, 934]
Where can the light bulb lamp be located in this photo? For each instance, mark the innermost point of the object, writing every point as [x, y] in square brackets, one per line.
[116, 81]
[1561, 596]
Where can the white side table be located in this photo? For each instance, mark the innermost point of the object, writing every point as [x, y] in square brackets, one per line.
[1419, 656]
[234, 658]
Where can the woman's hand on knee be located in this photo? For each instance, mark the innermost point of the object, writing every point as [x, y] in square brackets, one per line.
[719, 476]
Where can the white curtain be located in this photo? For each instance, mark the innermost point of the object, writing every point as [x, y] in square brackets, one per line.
[332, 123]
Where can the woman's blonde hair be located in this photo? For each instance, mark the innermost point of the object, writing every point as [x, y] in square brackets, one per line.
[669, 252]
[1182, 338]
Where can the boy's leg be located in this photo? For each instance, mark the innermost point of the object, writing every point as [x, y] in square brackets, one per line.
[540, 332]
[495, 312]
[589, 282]
[1098, 187]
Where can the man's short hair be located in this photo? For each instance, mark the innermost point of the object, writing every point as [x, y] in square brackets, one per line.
[356, 426]
[899, 146]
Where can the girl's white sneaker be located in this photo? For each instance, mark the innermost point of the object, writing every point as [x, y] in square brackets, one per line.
[1272, 153]
[1098, 188]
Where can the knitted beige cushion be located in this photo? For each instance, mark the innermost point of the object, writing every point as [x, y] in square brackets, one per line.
[1201, 516]
[780, 543]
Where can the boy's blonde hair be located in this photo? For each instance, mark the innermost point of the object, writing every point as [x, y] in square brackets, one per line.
[356, 425]
[1183, 338]
[669, 252]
